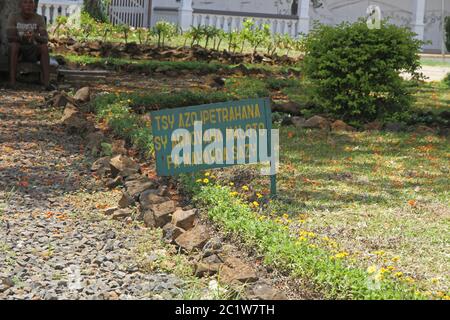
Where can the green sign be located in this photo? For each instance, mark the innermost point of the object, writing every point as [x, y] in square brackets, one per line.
[202, 143]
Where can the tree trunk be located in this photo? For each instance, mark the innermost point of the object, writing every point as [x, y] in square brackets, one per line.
[6, 8]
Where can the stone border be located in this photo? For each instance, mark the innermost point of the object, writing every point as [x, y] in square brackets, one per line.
[157, 207]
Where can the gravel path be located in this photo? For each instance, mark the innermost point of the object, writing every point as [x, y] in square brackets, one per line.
[54, 243]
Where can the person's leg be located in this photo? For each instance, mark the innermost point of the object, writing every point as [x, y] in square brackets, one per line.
[14, 49]
[45, 64]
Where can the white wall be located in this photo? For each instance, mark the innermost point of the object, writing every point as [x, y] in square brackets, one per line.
[335, 11]
[260, 6]
[399, 11]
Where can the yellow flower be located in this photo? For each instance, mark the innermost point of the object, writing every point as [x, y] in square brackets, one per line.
[395, 259]
[379, 253]
[199, 180]
[285, 216]
[233, 194]
[435, 280]
[384, 270]
[231, 183]
[302, 238]
[206, 180]
[341, 255]
[379, 276]
[207, 174]
[398, 274]
[371, 269]
[409, 279]
[446, 297]
[256, 204]
[245, 188]
[259, 195]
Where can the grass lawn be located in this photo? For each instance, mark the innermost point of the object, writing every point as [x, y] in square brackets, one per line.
[377, 202]
[381, 197]
[435, 62]
[433, 96]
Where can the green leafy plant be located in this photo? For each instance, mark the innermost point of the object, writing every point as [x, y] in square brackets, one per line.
[355, 71]
[61, 22]
[233, 41]
[105, 29]
[124, 29]
[87, 25]
[163, 31]
[446, 80]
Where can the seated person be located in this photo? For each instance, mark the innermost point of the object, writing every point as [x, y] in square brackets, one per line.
[28, 41]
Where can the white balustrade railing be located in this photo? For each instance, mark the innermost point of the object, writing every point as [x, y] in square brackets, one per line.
[234, 21]
[164, 14]
[51, 9]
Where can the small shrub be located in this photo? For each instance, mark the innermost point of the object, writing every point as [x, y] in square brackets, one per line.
[355, 71]
[164, 31]
[446, 80]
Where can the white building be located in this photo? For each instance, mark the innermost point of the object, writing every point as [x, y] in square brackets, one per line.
[284, 16]
[51, 9]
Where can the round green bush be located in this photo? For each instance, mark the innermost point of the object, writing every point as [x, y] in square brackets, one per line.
[355, 71]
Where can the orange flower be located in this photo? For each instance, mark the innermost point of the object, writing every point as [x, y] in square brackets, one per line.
[412, 203]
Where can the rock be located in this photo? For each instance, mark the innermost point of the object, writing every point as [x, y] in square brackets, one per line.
[94, 141]
[373, 126]
[151, 197]
[101, 163]
[298, 121]
[83, 95]
[316, 122]
[112, 183]
[126, 200]
[121, 214]
[8, 282]
[171, 232]
[123, 166]
[212, 247]
[421, 129]
[262, 291]
[184, 219]
[287, 121]
[288, 107]
[235, 270]
[162, 212]
[394, 126]
[73, 120]
[203, 269]
[61, 100]
[110, 211]
[118, 147]
[136, 187]
[149, 219]
[135, 176]
[163, 191]
[340, 125]
[193, 239]
[212, 259]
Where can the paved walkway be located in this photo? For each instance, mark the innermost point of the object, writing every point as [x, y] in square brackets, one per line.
[435, 73]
